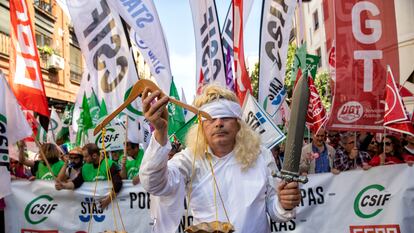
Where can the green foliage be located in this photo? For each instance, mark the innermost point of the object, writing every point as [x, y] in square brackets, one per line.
[46, 50]
[323, 86]
[255, 81]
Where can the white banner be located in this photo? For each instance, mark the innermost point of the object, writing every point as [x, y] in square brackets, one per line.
[55, 125]
[276, 25]
[147, 34]
[209, 52]
[105, 48]
[379, 200]
[260, 122]
[114, 138]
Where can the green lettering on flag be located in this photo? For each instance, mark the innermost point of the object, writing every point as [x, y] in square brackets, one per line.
[176, 117]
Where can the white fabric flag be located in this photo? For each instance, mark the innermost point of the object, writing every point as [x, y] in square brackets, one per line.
[13, 127]
[277, 17]
[55, 125]
[209, 51]
[146, 32]
[103, 43]
[260, 122]
[188, 115]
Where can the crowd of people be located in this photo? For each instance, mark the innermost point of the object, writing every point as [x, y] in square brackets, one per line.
[332, 151]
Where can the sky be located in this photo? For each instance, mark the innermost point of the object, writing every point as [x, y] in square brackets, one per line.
[177, 22]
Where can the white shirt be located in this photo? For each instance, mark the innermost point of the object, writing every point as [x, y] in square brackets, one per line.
[247, 195]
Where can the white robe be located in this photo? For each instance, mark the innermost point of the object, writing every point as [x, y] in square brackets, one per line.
[247, 195]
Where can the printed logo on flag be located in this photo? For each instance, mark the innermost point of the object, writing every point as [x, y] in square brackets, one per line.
[90, 208]
[4, 150]
[350, 112]
[39, 209]
[375, 228]
[370, 201]
[255, 121]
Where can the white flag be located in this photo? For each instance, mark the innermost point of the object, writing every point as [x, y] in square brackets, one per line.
[103, 43]
[13, 127]
[55, 125]
[260, 122]
[209, 51]
[276, 25]
[146, 32]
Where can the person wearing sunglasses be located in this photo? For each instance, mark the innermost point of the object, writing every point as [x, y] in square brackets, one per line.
[373, 147]
[392, 152]
[72, 165]
[348, 156]
[333, 139]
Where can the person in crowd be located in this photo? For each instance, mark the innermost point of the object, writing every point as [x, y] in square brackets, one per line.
[17, 170]
[392, 152]
[373, 147]
[317, 156]
[116, 156]
[408, 150]
[276, 152]
[226, 150]
[333, 139]
[130, 168]
[39, 168]
[348, 156]
[72, 165]
[175, 148]
[90, 172]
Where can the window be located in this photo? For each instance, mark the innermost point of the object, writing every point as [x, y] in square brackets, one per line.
[45, 5]
[43, 40]
[75, 64]
[318, 53]
[315, 20]
[4, 17]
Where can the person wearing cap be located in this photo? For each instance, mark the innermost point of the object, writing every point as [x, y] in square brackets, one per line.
[130, 167]
[226, 150]
[72, 165]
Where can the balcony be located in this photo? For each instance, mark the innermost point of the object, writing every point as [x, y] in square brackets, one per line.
[4, 44]
[45, 5]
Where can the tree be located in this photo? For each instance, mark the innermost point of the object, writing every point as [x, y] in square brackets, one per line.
[322, 85]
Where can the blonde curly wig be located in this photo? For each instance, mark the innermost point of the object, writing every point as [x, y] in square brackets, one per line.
[247, 147]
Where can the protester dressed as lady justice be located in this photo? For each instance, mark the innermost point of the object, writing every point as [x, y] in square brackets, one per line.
[224, 171]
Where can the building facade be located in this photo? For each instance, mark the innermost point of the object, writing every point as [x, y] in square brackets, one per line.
[59, 53]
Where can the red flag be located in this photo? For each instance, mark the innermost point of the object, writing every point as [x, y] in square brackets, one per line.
[396, 117]
[25, 77]
[200, 83]
[394, 106]
[243, 84]
[316, 116]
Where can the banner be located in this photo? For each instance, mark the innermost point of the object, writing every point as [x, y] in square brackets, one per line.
[275, 29]
[366, 42]
[104, 45]
[114, 138]
[260, 122]
[147, 34]
[377, 200]
[209, 51]
[25, 76]
[55, 125]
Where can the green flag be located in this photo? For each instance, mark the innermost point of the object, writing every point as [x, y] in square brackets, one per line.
[299, 62]
[94, 108]
[103, 112]
[176, 117]
[63, 134]
[181, 133]
[84, 122]
[312, 62]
